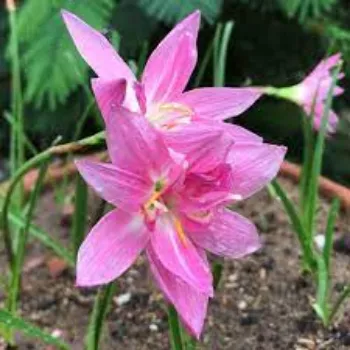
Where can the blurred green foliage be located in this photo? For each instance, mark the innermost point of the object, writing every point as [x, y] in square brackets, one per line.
[52, 66]
[275, 42]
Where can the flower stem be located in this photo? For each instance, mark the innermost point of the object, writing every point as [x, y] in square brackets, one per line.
[99, 313]
[17, 130]
[217, 273]
[44, 156]
[175, 329]
[80, 213]
[20, 249]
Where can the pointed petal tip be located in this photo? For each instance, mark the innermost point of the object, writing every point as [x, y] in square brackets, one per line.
[68, 16]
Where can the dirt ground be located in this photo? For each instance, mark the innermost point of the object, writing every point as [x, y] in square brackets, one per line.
[262, 303]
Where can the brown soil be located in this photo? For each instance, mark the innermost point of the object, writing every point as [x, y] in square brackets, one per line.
[262, 302]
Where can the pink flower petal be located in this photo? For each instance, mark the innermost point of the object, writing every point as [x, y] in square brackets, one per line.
[240, 134]
[110, 248]
[179, 255]
[205, 147]
[219, 103]
[229, 234]
[318, 115]
[254, 165]
[135, 145]
[203, 192]
[96, 50]
[171, 64]
[190, 304]
[116, 185]
[108, 93]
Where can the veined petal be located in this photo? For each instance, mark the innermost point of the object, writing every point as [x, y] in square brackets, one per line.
[111, 93]
[108, 93]
[253, 166]
[169, 68]
[178, 255]
[190, 304]
[117, 186]
[240, 134]
[204, 147]
[203, 192]
[110, 248]
[135, 145]
[96, 50]
[170, 65]
[318, 111]
[228, 234]
[219, 103]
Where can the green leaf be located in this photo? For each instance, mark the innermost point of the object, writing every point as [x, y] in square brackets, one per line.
[312, 195]
[304, 9]
[221, 42]
[43, 237]
[171, 11]
[99, 313]
[20, 249]
[296, 223]
[321, 305]
[52, 65]
[80, 213]
[19, 324]
[332, 215]
[174, 329]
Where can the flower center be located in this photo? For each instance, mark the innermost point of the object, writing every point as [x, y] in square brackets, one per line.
[169, 116]
[156, 205]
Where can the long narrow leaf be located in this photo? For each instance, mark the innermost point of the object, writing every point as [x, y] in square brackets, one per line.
[16, 323]
[80, 213]
[101, 306]
[332, 215]
[343, 296]
[295, 221]
[221, 69]
[318, 155]
[321, 306]
[43, 237]
[174, 329]
[22, 241]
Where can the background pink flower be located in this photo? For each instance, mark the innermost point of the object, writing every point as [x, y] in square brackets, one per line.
[312, 92]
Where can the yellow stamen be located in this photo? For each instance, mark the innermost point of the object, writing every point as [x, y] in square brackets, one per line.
[180, 231]
[175, 107]
[153, 198]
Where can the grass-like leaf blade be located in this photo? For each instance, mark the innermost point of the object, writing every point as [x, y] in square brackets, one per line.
[17, 323]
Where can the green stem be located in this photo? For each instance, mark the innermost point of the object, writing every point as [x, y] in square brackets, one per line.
[99, 313]
[22, 242]
[312, 198]
[216, 53]
[309, 262]
[32, 163]
[175, 329]
[17, 102]
[307, 164]
[221, 72]
[80, 213]
[217, 273]
[204, 64]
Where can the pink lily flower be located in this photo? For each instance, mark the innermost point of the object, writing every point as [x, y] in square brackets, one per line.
[172, 207]
[312, 92]
[160, 94]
